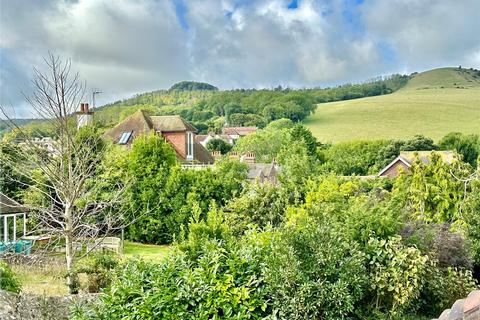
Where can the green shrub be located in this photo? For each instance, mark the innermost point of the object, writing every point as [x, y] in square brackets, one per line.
[259, 206]
[443, 286]
[99, 270]
[8, 280]
[314, 272]
[356, 157]
[396, 273]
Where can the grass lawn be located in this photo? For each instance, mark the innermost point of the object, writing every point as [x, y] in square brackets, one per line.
[49, 280]
[145, 251]
[431, 112]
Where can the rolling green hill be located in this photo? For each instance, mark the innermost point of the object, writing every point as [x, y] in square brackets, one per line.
[432, 103]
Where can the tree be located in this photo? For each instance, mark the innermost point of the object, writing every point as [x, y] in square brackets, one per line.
[219, 145]
[265, 144]
[300, 133]
[12, 183]
[65, 205]
[466, 145]
[149, 163]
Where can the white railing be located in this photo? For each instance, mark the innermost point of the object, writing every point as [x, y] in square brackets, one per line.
[199, 166]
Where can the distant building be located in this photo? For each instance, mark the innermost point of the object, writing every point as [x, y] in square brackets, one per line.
[229, 135]
[235, 133]
[406, 159]
[261, 172]
[179, 133]
[46, 143]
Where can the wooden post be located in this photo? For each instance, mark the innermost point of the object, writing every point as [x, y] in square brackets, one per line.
[24, 224]
[14, 227]
[5, 229]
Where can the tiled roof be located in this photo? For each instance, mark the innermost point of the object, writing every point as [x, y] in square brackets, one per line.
[262, 171]
[8, 205]
[171, 124]
[200, 154]
[139, 122]
[200, 137]
[408, 157]
[424, 156]
[242, 131]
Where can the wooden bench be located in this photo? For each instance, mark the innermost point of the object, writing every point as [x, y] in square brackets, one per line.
[111, 243]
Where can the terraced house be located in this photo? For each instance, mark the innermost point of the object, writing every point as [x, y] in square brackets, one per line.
[178, 132]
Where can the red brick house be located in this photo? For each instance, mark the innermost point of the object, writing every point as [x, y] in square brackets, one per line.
[406, 158]
[179, 133]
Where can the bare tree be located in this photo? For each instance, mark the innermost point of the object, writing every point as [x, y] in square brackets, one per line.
[69, 208]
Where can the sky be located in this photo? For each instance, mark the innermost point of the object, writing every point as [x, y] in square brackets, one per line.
[125, 47]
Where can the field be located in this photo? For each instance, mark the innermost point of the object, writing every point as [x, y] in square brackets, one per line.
[433, 104]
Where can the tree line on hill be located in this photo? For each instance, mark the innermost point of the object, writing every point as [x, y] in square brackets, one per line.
[210, 109]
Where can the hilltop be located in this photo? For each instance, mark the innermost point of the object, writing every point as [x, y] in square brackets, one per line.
[193, 86]
[432, 103]
[442, 78]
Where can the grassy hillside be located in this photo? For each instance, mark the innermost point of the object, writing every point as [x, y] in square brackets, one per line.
[433, 103]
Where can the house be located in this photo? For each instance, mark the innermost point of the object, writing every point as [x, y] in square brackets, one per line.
[406, 158]
[261, 172]
[234, 133]
[179, 133]
[13, 217]
[45, 143]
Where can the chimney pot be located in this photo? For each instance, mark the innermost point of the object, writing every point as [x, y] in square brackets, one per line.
[82, 107]
[86, 107]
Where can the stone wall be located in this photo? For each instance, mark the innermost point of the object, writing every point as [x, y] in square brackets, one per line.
[27, 306]
[464, 309]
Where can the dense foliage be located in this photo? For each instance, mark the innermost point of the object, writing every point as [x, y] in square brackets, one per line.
[161, 193]
[347, 249]
[468, 146]
[8, 280]
[219, 145]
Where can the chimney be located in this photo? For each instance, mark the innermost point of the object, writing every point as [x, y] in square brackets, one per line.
[249, 158]
[216, 154]
[84, 116]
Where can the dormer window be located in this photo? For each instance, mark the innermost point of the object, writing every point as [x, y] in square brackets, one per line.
[125, 137]
[189, 145]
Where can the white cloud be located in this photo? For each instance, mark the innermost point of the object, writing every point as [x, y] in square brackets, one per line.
[426, 33]
[127, 46]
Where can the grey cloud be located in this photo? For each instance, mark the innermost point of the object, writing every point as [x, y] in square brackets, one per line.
[121, 47]
[427, 33]
[126, 47]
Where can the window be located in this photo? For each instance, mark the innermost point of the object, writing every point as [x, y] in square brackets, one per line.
[189, 146]
[125, 137]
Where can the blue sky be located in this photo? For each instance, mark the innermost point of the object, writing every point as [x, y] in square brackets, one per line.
[126, 47]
